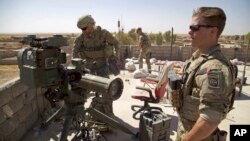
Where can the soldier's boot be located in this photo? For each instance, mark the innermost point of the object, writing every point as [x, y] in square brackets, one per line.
[147, 58]
[149, 67]
[140, 62]
[140, 65]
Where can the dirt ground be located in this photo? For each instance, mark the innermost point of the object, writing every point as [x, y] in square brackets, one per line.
[7, 50]
[8, 72]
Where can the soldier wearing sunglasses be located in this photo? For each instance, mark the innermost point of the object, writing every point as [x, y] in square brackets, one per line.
[96, 46]
[207, 91]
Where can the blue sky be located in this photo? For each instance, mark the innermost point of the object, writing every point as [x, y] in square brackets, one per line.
[60, 16]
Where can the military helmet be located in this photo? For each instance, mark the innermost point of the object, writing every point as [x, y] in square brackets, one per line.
[85, 21]
[138, 29]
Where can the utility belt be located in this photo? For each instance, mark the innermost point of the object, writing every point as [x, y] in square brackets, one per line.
[94, 54]
[101, 59]
[98, 52]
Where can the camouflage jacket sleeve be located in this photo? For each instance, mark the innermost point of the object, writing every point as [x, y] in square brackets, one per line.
[144, 41]
[110, 39]
[76, 52]
[216, 86]
[141, 40]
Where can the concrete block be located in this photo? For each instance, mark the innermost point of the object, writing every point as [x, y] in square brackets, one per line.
[23, 113]
[18, 89]
[8, 126]
[5, 96]
[17, 133]
[8, 112]
[2, 137]
[3, 117]
[14, 105]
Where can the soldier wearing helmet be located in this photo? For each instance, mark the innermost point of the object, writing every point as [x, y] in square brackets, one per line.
[96, 46]
[145, 49]
[85, 21]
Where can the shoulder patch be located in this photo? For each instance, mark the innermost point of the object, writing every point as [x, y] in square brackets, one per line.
[214, 79]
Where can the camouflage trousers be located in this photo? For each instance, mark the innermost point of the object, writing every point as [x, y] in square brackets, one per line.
[217, 135]
[145, 54]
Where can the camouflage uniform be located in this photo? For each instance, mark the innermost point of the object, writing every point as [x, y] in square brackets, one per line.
[96, 48]
[207, 92]
[145, 50]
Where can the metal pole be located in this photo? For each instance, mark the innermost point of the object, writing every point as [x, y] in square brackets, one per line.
[244, 69]
[172, 30]
[119, 38]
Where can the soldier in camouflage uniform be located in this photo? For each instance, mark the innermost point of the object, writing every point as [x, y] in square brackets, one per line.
[145, 49]
[207, 92]
[96, 45]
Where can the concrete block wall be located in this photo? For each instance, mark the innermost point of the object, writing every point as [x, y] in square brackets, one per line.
[181, 53]
[158, 52]
[186, 53]
[242, 53]
[20, 108]
[229, 52]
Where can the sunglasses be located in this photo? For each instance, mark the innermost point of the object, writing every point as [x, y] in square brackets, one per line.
[84, 28]
[197, 27]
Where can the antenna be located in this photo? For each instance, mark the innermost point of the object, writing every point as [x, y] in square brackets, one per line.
[119, 25]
